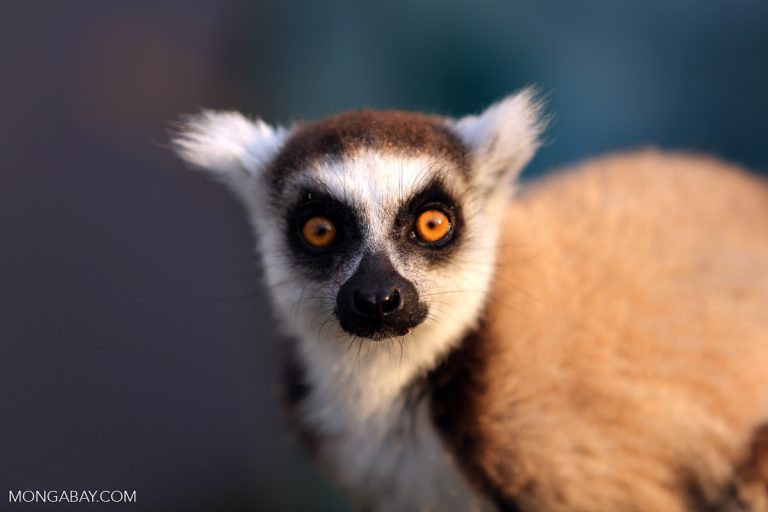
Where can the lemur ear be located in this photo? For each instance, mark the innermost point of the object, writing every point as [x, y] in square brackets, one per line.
[503, 138]
[234, 149]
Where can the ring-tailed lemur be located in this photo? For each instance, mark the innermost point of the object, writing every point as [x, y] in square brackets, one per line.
[598, 342]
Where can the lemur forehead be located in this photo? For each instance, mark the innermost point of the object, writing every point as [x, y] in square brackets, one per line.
[387, 131]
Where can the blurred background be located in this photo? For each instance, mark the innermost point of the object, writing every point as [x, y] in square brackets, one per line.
[136, 347]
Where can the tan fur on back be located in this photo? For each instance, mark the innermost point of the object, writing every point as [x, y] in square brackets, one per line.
[626, 361]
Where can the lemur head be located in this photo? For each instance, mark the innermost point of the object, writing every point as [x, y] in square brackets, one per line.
[373, 226]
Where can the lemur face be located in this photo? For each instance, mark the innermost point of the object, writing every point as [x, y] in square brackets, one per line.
[373, 217]
[373, 225]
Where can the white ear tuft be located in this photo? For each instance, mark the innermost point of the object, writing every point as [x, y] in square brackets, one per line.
[232, 147]
[504, 137]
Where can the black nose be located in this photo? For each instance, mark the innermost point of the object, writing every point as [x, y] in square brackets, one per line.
[377, 304]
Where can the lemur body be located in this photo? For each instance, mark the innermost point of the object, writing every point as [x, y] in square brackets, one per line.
[597, 343]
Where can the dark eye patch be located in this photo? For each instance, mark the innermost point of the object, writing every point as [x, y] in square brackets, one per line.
[321, 263]
[433, 196]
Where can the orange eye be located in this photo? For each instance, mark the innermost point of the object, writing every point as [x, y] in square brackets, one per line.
[319, 232]
[432, 225]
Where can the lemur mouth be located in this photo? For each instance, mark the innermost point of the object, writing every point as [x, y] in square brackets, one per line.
[378, 303]
[381, 328]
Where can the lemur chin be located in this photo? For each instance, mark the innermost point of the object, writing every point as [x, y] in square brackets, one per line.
[597, 341]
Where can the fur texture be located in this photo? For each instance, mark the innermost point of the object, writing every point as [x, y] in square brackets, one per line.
[624, 360]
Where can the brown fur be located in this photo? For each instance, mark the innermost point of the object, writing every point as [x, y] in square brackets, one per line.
[624, 359]
[294, 389]
[750, 487]
[381, 130]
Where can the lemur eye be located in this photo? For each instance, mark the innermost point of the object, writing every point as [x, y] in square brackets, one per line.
[319, 232]
[432, 226]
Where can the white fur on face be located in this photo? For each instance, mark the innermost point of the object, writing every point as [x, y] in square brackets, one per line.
[376, 186]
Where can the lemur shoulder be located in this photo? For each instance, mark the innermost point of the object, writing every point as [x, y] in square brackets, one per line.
[593, 341]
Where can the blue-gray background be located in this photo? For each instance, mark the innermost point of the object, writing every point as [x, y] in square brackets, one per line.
[136, 351]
